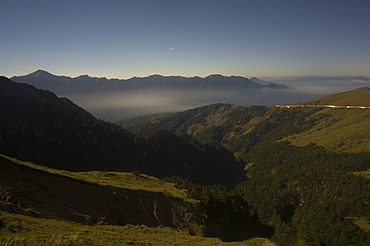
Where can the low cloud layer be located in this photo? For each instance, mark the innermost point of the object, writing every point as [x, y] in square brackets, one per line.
[115, 106]
[322, 86]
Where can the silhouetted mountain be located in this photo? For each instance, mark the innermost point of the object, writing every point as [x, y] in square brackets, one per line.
[113, 99]
[63, 84]
[259, 81]
[38, 126]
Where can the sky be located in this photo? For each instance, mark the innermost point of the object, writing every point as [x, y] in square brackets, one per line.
[127, 38]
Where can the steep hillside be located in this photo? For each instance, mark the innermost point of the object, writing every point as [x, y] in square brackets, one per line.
[236, 128]
[239, 128]
[43, 204]
[40, 127]
[86, 199]
[114, 99]
[341, 129]
[360, 96]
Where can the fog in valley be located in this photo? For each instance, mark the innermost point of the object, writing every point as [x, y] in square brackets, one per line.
[114, 106]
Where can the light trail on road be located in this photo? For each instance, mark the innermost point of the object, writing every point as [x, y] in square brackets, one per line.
[320, 106]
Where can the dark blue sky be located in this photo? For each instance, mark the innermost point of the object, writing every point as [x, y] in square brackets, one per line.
[124, 38]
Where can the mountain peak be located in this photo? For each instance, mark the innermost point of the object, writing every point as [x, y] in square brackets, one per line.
[212, 76]
[84, 76]
[40, 72]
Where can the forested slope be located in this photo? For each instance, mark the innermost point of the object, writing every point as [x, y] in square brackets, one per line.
[309, 194]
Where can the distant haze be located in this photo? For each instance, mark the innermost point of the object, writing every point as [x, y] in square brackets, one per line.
[113, 99]
[322, 85]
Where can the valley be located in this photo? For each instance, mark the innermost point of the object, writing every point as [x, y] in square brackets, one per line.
[218, 174]
[140, 122]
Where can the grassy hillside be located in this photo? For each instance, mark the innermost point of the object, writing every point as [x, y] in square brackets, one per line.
[28, 221]
[343, 129]
[25, 230]
[357, 97]
[131, 181]
[95, 198]
[239, 128]
[236, 128]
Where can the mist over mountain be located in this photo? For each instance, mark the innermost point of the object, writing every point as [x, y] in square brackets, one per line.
[114, 99]
[322, 85]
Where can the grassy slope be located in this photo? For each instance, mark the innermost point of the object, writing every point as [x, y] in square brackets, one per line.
[24, 230]
[116, 179]
[345, 129]
[357, 97]
[18, 229]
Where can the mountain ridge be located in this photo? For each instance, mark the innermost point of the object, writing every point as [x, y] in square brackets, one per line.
[228, 124]
[124, 98]
[341, 129]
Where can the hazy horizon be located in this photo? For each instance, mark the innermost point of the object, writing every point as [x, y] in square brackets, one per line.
[264, 78]
[111, 101]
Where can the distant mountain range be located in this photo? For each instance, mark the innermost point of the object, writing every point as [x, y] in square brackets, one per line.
[114, 99]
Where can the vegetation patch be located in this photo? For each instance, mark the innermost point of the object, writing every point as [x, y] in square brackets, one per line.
[361, 222]
[365, 173]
